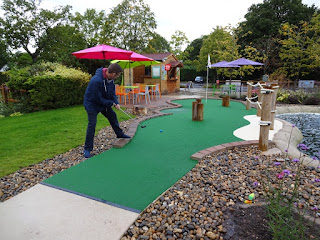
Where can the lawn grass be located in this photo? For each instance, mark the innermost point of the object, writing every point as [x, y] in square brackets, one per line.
[34, 137]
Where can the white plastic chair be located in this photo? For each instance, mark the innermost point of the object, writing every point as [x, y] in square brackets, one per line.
[146, 94]
[156, 91]
[188, 87]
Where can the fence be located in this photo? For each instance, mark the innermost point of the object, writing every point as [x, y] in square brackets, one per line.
[8, 95]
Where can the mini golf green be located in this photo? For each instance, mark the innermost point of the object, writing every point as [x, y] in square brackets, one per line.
[135, 175]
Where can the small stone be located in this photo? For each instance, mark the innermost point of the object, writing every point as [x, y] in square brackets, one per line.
[211, 235]
[177, 230]
[203, 209]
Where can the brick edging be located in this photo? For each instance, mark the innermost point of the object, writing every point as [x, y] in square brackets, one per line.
[222, 147]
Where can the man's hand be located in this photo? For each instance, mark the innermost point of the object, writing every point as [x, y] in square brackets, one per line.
[117, 106]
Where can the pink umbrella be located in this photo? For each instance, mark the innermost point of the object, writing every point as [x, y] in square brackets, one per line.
[138, 57]
[103, 52]
[108, 52]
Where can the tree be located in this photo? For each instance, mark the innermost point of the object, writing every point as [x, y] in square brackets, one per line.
[4, 53]
[89, 24]
[157, 44]
[60, 42]
[263, 20]
[194, 48]
[262, 24]
[130, 25]
[220, 44]
[25, 24]
[178, 40]
[300, 48]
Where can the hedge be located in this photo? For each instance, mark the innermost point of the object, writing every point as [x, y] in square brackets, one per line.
[50, 85]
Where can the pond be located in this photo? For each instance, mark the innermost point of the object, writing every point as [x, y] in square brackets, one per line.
[309, 125]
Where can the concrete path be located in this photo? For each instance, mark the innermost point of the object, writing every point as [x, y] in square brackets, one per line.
[46, 213]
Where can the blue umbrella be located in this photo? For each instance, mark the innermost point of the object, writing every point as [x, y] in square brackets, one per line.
[244, 61]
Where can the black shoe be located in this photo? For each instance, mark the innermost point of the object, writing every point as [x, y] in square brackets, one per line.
[87, 154]
[123, 136]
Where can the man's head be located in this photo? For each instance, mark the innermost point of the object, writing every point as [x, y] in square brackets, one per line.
[114, 71]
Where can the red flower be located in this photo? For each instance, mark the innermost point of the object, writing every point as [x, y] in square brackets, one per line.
[280, 175]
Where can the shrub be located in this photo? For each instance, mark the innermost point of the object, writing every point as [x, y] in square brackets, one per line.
[23, 106]
[50, 85]
[298, 97]
[3, 77]
[313, 99]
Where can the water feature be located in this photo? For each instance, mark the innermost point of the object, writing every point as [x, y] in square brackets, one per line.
[309, 125]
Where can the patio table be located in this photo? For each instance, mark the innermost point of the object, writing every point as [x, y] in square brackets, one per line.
[131, 87]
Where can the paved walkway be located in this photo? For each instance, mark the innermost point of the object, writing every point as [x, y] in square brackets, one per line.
[44, 213]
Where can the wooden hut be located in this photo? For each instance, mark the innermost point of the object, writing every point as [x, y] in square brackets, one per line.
[167, 72]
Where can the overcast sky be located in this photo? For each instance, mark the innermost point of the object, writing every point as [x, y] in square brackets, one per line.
[194, 18]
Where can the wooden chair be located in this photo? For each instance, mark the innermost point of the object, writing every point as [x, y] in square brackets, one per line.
[120, 91]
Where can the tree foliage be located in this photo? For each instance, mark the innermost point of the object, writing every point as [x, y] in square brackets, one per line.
[178, 39]
[262, 24]
[25, 24]
[194, 48]
[61, 41]
[90, 25]
[263, 20]
[220, 44]
[300, 47]
[157, 44]
[130, 25]
[4, 54]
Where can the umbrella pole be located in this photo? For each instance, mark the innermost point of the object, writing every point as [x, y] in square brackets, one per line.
[207, 84]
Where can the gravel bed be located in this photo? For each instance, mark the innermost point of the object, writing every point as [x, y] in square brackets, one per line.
[196, 206]
[309, 125]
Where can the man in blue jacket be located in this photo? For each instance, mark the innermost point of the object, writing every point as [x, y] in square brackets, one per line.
[100, 97]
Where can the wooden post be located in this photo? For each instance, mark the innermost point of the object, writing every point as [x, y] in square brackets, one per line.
[265, 118]
[249, 94]
[200, 112]
[4, 93]
[226, 101]
[275, 88]
[259, 100]
[197, 110]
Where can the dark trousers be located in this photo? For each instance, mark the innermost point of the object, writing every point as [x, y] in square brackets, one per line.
[92, 122]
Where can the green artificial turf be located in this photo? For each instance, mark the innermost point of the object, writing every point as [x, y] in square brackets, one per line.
[153, 161]
[33, 137]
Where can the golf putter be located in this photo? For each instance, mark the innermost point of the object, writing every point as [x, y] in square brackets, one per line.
[142, 126]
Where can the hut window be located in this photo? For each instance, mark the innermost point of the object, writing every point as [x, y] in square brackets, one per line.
[173, 72]
[147, 71]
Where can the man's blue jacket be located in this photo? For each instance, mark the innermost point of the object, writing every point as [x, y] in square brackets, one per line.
[99, 94]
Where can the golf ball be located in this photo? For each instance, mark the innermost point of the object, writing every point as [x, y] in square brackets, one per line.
[160, 130]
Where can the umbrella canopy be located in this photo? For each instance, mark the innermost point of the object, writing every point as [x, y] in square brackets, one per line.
[244, 61]
[131, 64]
[219, 64]
[103, 52]
[224, 64]
[138, 57]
